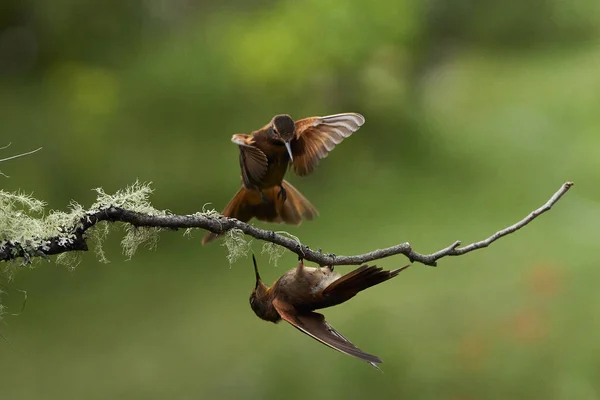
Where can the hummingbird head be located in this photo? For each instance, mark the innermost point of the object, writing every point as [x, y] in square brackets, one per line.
[284, 129]
[260, 301]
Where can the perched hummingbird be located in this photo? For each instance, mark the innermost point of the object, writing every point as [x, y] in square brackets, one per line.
[295, 295]
[265, 155]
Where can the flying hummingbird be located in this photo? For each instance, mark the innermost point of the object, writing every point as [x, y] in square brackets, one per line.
[301, 290]
[265, 155]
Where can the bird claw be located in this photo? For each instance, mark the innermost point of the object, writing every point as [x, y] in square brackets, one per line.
[282, 193]
[299, 246]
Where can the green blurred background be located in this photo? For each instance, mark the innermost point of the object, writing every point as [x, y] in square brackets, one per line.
[477, 111]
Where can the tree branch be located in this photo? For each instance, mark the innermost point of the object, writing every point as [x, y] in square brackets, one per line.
[75, 237]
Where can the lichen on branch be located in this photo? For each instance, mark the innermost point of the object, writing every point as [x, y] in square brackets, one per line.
[28, 233]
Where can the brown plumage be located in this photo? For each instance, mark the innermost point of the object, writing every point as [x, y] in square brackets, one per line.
[300, 291]
[265, 155]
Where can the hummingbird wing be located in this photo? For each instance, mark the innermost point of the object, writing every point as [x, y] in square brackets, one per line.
[315, 326]
[253, 162]
[317, 136]
[348, 286]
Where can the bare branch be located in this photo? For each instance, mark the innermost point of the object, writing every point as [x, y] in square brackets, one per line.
[219, 224]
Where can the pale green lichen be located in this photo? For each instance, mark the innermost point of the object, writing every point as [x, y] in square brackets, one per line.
[133, 198]
[70, 259]
[234, 240]
[276, 251]
[21, 200]
[20, 224]
[136, 236]
[209, 212]
[16, 221]
[22, 221]
[237, 245]
[97, 235]
[55, 222]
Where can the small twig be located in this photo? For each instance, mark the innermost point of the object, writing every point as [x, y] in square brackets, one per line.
[219, 224]
[507, 231]
[13, 157]
[18, 155]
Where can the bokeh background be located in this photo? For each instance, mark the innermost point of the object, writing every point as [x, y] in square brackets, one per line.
[477, 111]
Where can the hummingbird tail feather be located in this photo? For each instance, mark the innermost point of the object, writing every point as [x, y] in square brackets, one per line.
[236, 208]
[269, 206]
[295, 206]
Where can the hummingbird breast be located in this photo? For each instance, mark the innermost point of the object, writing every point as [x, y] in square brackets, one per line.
[278, 159]
[263, 308]
[302, 287]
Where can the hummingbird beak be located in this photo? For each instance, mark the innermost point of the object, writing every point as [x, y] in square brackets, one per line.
[258, 281]
[289, 149]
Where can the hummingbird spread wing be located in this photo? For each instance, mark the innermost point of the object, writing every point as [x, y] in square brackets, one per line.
[317, 136]
[253, 162]
[315, 326]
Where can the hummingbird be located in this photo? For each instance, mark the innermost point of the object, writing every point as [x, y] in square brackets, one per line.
[265, 155]
[301, 290]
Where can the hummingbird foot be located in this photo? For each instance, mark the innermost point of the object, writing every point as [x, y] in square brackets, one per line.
[300, 266]
[282, 193]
